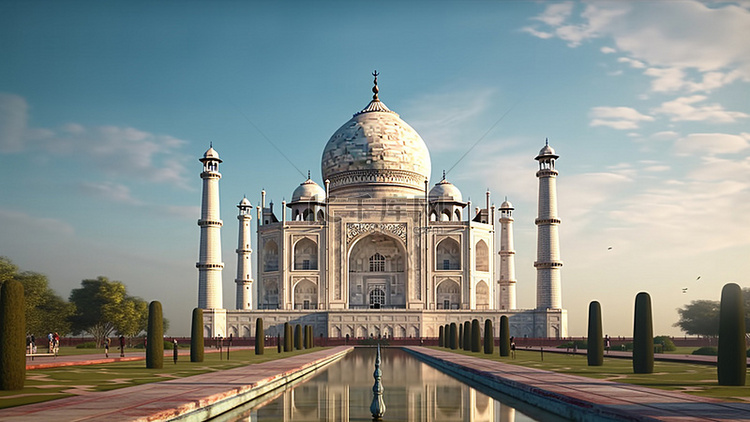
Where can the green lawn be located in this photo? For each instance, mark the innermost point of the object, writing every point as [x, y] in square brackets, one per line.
[696, 379]
[54, 383]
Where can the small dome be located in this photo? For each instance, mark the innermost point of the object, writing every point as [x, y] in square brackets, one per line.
[445, 191]
[309, 191]
[506, 205]
[211, 154]
[244, 203]
[547, 150]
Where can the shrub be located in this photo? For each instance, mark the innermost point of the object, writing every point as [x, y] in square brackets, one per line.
[298, 337]
[155, 344]
[86, 345]
[460, 344]
[476, 337]
[196, 336]
[489, 337]
[732, 362]
[467, 335]
[666, 343]
[574, 344]
[260, 341]
[594, 340]
[454, 336]
[12, 336]
[706, 351]
[441, 339]
[643, 335]
[288, 341]
[504, 336]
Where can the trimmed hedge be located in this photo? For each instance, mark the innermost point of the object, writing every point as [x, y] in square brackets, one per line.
[643, 335]
[298, 337]
[454, 336]
[196, 336]
[504, 336]
[667, 345]
[441, 334]
[706, 351]
[260, 337]
[467, 336]
[732, 361]
[12, 336]
[155, 333]
[595, 349]
[288, 339]
[476, 336]
[489, 337]
[460, 336]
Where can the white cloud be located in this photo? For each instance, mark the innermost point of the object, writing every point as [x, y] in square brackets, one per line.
[665, 135]
[109, 191]
[13, 116]
[636, 64]
[712, 143]
[682, 109]
[556, 14]
[50, 226]
[668, 37]
[621, 118]
[123, 152]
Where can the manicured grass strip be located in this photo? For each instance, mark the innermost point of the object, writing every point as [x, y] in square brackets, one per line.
[54, 383]
[696, 379]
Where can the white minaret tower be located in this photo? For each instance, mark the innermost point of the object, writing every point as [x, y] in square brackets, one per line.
[209, 264]
[548, 264]
[507, 258]
[244, 267]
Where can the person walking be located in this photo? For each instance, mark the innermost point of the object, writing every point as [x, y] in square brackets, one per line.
[106, 347]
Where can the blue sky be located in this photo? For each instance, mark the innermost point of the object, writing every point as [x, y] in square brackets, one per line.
[105, 108]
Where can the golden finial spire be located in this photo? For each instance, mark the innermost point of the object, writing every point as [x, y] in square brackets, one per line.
[375, 89]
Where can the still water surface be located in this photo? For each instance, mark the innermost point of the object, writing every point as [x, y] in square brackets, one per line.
[414, 391]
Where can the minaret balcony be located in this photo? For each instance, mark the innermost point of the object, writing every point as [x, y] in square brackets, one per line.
[204, 223]
[546, 173]
[553, 264]
[210, 175]
[542, 221]
[209, 266]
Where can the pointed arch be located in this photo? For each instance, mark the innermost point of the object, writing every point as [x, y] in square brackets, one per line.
[448, 294]
[482, 256]
[270, 256]
[305, 254]
[482, 296]
[305, 295]
[448, 255]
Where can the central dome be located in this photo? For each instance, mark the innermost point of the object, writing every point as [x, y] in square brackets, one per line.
[376, 154]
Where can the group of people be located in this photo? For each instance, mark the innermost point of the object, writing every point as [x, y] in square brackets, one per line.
[108, 341]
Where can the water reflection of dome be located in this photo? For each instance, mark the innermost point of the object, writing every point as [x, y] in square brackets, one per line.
[376, 154]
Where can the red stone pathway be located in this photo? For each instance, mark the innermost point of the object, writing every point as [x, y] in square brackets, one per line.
[169, 399]
[562, 393]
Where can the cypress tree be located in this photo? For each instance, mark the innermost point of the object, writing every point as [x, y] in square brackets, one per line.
[447, 333]
[288, 340]
[460, 344]
[643, 335]
[453, 336]
[441, 339]
[155, 337]
[298, 337]
[196, 336]
[595, 348]
[732, 359]
[489, 337]
[467, 335]
[504, 336]
[310, 337]
[260, 340]
[278, 343]
[476, 336]
[12, 336]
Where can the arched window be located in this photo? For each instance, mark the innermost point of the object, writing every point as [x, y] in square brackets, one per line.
[448, 295]
[305, 295]
[305, 255]
[377, 263]
[482, 257]
[448, 255]
[482, 295]
[270, 256]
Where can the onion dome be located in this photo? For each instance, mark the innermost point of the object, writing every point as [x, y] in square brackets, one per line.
[506, 205]
[244, 203]
[546, 151]
[308, 191]
[376, 154]
[211, 154]
[445, 191]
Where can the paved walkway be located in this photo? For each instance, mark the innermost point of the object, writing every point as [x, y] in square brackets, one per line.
[568, 395]
[667, 357]
[43, 362]
[199, 396]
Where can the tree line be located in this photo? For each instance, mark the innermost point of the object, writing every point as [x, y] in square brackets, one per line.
[100, 307]
[701, 317]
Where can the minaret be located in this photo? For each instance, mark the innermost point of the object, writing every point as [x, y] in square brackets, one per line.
[209, 264]
[548, 264]
[244, 267]
[507, 258]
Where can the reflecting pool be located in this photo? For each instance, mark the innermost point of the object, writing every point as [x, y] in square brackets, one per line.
[414, 391]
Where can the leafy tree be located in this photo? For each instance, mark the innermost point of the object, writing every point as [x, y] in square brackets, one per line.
[701, 317]
[104, 307]
[46, 312]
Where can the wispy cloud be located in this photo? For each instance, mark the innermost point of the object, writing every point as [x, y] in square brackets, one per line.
[712, 144]
[109, 191]
[622, 118]
[119, 152]
[46, 225]
[683, 109]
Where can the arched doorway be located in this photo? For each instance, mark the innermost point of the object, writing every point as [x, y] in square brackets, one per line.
[305, 295]
[377, 273]
[448, 295]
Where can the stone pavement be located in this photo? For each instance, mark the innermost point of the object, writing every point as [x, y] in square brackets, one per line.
[43, 362]
[192, 398]
[572, 396]
[666, 357]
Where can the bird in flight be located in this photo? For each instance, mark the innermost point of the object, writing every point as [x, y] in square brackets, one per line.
[684, 290]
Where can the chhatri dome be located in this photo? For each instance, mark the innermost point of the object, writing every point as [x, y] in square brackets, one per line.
[445, 191]
[376, 154]
[309, 191]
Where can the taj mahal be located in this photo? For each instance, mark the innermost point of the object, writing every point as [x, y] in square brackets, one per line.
[374, 250]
